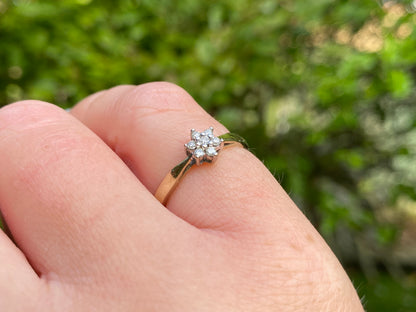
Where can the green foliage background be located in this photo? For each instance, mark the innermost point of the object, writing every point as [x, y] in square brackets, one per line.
[323, 91]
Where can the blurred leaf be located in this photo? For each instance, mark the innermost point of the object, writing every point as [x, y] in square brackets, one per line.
[400, 84]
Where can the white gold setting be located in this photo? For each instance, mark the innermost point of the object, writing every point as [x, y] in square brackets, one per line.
[204, 146]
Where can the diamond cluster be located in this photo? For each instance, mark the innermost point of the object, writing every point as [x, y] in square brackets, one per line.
[204, 146]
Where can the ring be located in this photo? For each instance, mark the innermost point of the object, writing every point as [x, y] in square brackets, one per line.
[203, 147]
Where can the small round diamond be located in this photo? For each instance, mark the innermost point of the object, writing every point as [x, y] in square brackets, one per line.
[195, 135]
[204, 140]
[207, 132]
[211, 151]
[215, 141]
[199, 152]
[191, 145]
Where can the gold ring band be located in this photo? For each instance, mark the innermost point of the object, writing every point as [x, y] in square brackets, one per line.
[203, 147]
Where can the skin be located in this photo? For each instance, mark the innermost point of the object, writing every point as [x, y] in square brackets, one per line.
[76, 190]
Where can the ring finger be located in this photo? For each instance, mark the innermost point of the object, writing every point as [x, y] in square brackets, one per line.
[147, 127]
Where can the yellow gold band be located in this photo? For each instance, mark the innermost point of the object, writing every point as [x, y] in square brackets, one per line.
[172, 179]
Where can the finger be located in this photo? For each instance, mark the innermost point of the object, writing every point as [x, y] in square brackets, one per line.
[63, 192]
[147, 127]
[19, 284]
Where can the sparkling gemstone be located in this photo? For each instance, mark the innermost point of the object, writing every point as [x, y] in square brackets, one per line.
[211, 151]
[195, 135]
[207, 132]
[204, 140]
[216, 141]
[199, 152]
[191, 145]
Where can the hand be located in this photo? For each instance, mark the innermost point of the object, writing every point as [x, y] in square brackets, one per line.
[76, 190]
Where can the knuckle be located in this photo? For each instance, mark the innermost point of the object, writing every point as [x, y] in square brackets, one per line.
[159, 97]
[39, 128]
[27, 114]
[161, 88]
[38, 139]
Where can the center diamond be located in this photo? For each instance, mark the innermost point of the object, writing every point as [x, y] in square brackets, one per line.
[204, 146]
